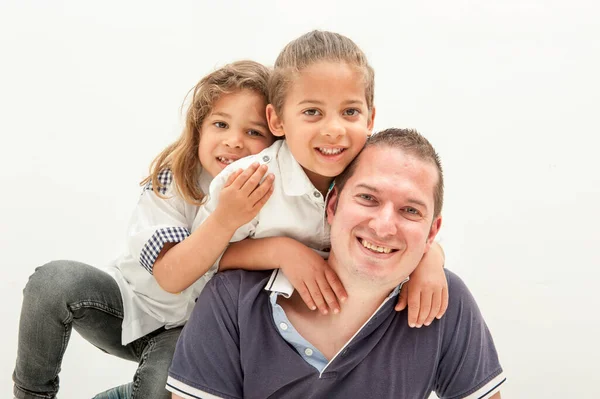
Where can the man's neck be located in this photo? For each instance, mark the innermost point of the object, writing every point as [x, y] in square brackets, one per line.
[329, 333]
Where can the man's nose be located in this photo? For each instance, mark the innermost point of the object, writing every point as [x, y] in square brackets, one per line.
[383, 221]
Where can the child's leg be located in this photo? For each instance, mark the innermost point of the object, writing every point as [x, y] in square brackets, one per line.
[157, 350]
[59, 296]
[151, 376]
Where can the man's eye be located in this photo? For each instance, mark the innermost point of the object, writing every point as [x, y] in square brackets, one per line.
[366, 197]
[351, 112]
[255, 133]
[220, 125]
[411, 211]
[312, 112]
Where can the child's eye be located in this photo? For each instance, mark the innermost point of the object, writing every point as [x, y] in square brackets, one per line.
[220, 125]
[351, 112]
[255, 133]
[312, 112]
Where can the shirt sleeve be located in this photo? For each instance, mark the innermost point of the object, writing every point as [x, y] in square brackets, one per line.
[206, 362]
[157, 221]
[469, 365]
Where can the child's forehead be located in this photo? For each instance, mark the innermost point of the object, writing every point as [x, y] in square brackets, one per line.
[241, 104]
[329, 79]
[238, 96]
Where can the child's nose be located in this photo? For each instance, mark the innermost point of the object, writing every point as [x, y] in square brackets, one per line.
[333, 128]
[234, 140]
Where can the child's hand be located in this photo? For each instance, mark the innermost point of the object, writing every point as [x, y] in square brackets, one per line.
[243, 195]
[311, 276]
[426, 293]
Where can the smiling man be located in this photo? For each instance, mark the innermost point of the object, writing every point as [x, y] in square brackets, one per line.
[251, 336]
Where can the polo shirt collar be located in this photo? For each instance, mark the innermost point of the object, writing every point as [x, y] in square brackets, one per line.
[295, 183]
[279, 284]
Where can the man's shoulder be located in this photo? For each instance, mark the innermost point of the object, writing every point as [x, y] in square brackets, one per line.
[241, 282]
[456, 285]
[462, 307]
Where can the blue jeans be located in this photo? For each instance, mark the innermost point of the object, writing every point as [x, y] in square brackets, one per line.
[62, 295]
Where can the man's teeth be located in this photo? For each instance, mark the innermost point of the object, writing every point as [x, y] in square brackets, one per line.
[375, 248]
[225, 160]
[330, 151]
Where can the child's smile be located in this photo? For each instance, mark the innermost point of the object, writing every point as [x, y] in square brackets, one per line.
[325, 119]
[235, 128]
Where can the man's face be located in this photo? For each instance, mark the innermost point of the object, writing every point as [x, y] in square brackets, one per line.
[383, 223]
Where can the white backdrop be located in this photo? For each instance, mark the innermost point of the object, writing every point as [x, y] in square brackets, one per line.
[90, 93]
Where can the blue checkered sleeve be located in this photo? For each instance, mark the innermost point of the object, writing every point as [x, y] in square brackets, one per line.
[156, 243]
[165, 177]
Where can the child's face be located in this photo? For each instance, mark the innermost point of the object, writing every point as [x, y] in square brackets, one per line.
[325, 119]
[236, 128]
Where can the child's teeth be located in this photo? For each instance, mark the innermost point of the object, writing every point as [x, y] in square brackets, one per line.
[330, 151]
[225, 160]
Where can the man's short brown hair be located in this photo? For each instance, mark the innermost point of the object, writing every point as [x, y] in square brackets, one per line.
[413, 143]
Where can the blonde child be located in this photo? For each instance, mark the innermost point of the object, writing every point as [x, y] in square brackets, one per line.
[124, 311]
[321, 101]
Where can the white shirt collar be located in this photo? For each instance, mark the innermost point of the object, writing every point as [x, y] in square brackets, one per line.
[279, 284]
[296, 183]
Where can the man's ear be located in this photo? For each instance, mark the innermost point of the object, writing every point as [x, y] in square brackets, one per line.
[371, 121]
[435, 228]
[274, 121]
[332, 202]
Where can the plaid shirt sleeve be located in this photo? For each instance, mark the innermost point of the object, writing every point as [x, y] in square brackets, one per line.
[157, 221]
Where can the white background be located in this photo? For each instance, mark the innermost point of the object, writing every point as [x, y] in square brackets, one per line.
[506, 91]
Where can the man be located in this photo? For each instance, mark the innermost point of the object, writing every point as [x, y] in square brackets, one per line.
[384, 212]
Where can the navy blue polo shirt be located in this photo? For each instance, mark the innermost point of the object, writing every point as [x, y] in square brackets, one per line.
[231, 348]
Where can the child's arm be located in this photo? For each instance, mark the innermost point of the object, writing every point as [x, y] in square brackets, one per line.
[309, 273]
[179, 265]
[426, 293]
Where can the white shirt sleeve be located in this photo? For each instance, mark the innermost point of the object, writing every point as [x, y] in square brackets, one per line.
[157, 221]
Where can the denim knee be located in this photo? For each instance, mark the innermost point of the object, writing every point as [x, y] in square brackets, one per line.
[51, 283]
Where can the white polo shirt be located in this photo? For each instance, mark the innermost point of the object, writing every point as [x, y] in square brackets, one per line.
[156, 221]
[296, 209]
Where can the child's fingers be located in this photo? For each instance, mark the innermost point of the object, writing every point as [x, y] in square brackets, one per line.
[328, 294]
[336, 284]
[413, 302]
[254, 179]
[239, 182]
[261, 202]
[305, 295]
[444, 305]
[264, 189]
[402, 298]
[436, 304]
[315, 293]
[232, 177]
[425, 307]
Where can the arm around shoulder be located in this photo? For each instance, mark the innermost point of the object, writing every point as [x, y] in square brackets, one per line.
[233, 203]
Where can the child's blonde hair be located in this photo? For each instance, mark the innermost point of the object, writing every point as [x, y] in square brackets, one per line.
[314, 47]
[181, 157]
